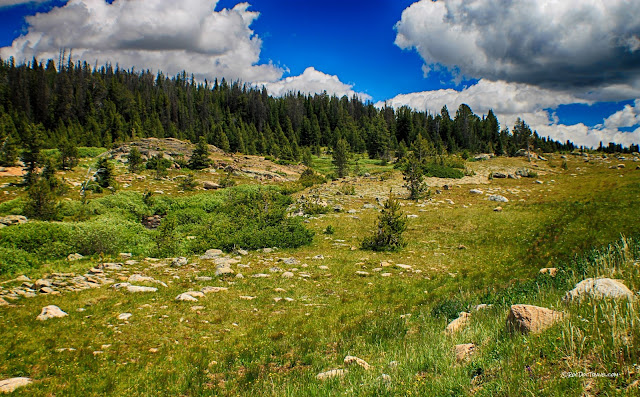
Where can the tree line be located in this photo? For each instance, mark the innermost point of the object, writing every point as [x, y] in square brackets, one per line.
[83, 105]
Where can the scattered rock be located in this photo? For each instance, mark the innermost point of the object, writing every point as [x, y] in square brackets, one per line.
[498, 209]
[476, 191]
[211, 254]
[9, 385]
[531, 319]
[499, 175]
[13, 220]
[124, 316]
[599, 288]
[405, 267]
[125, 255]
[463, 351]
[133, 288]
[498, 198]
[138, 278]
[552, 271]
[349, 360]
[208, 185]
[457, 324]
[186, 297]
[49, 312]
[179, 261]
[224, 270]
[74, 257]
[289, 261]
[362, 273]
[287, 275]
[209, 290]
[318, 257]
[331, 374]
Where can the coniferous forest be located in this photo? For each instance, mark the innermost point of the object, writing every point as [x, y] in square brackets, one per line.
[84, 105]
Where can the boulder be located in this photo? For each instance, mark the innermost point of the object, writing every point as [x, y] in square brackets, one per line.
[179, 261]
[457, 324]
[463, 351]
[599, 288]
[9, 385]
[186, 297]
[208, 185]
[476, 191]
[331, 374]
[498, 198]
[499, 175]
[531, 319]
[353, 360]
[49, 312]
[221, 271]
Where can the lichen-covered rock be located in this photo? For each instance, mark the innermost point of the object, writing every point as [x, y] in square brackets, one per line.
[463, 351]
[457, 324]
[9, 385]
[49, 312]
[599, 288]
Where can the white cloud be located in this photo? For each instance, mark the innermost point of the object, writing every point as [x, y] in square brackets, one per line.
[162, 35]
[512, 100]
[313, 81]
[10, 3]
[629, 116]
[581, 47]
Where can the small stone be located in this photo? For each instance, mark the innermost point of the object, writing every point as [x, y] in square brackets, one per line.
[498, 198]
[405, 267]
[211, 254]
[323, 267]
[125, 255]
[349, 360]
[196, 308]
[551, 271]
[74, 257]
[458, 323]
[362, 273]
[209, 290]
[179, 261]
[124, 316]
[204, 278]
[463, 351]
[476, 191]
[49, 312]
[331, 374]
[318, 257]
[153, 350]
[186, 297]
[498, 209]
[247, 298]
[49, 290]
[385, 274]
[242, 252]
[290, 261]
[224, 270]
[9, 385]
[287, 275]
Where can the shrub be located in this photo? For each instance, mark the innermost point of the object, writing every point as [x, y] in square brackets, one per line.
[413, 177]
[442, 171]
[391, 224]
[13, 260]
[105, 175]
[347, 190]
[188, 183]
[309, 178]
[329, 230]
[41, 202]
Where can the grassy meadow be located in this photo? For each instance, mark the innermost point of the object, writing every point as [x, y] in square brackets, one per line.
[299, 311]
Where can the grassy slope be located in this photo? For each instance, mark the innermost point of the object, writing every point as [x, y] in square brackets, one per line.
[260, 347]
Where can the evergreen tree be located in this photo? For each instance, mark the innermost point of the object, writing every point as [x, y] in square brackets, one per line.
[32, 141]
[200, 156]
[306, 157]
[105, 175]
[413, 176]
[68, 155]
[41, 202]
[341, 158]
[134, 160]
[8, 141]
[392, 223]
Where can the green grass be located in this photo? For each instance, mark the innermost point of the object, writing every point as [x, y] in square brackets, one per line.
[260, 347]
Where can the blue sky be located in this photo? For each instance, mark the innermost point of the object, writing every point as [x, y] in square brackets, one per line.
[519, 60]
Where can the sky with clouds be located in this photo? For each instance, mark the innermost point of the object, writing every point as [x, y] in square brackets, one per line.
[570, 69]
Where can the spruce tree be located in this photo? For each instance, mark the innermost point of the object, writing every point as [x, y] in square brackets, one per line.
[41, 202]
[306, 157]
[134, 160]
[199, 159]
[413, 175]
[105, 175]
[392, 223]
[341, 158]
[31, 156]
[68, 155]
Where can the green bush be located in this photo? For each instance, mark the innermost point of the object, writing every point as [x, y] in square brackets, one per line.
[91, 152]
[12, 207]
[442, 171]
[309, 178]
[111, 235]
[13, 260]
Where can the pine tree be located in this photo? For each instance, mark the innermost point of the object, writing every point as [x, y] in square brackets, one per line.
[32, 141]
[105, 175]
[306, 157]
[392, 223]
[8, 141]
[134, 160]
[68, 155]
[341, 158]
[41, 202]
[199, 159]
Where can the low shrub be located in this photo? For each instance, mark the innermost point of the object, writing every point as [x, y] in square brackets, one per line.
[13, 260]
[442, 171]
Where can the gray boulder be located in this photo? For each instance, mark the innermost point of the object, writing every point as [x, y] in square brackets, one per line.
[599, 288]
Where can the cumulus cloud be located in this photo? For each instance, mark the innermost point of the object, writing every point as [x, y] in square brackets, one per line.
[313, 81]
[584, 47]
[10, 3]
[162, 35]
[510, 101]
